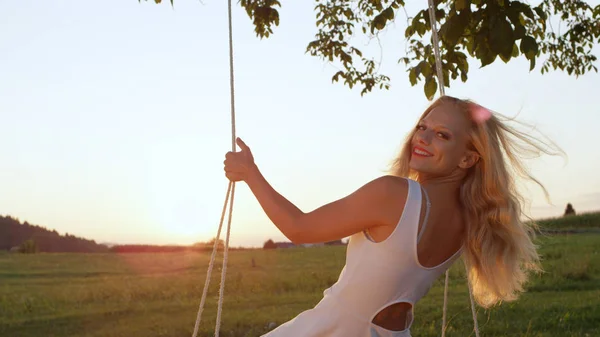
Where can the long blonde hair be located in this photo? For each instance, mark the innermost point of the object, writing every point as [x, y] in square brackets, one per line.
[498, 249]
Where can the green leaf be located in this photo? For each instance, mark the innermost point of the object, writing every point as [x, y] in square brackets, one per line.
[406, 60]
[504, 58]
[378, 23]
[515, 51]
[422, 28]
[425, 68]
[470, 45]
[337, 75]
[388, 13]
[485, 55]
[520, 7]
[502, 38]
[462, 64]
[345, 58]
[440, 13]
[519, 31]
[460, 5]
[412, 76]
[529, 47]
[430, 87]
[540, 12]
[446, 77]
[454, 27]
[531, 63]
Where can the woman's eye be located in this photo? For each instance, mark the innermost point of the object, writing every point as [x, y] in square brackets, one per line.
[442, 135]
[420, 127]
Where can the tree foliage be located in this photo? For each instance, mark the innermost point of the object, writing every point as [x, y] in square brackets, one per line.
[269, 244]
[561, 33]
[33, 238]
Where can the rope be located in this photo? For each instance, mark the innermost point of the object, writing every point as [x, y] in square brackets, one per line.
[476, 325]
[212, 260]
[440, 76]
[230, 193]
[232, 95]
[224, 272]
[436, 48]
[445, 304]
[231, 82]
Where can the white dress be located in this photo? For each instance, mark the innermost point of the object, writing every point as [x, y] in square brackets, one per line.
[376, 275]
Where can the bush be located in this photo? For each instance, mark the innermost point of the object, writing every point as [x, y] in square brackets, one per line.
[28, 247]
[269, 244]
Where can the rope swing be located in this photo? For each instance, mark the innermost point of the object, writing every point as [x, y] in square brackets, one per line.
[440, 76]
[229, 197]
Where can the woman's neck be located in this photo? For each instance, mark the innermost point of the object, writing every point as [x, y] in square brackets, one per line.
[443, 186]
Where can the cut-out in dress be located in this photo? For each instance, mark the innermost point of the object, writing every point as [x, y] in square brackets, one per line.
[376, 275]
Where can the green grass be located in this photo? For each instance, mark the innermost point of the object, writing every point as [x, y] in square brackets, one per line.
[584, 221]
[153, 295]
[158, 294]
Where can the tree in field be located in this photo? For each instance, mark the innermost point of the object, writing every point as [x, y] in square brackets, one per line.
[269, 244]
[220, 244]
[562, 33]
[569, 210]
[28, 247]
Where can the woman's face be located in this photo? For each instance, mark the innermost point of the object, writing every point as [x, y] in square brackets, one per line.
[440, 143]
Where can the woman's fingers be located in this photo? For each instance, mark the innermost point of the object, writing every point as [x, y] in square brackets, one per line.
[234, 176]
[242, 145]
[235, 169]
[237, 163]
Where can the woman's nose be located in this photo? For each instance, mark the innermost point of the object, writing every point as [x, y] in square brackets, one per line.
[423, 137]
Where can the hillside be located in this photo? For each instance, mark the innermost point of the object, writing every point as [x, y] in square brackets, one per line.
[13, 233]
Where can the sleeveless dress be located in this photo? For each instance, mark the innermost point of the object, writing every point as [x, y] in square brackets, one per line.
[376, 275]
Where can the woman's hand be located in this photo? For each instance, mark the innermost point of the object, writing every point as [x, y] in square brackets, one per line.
[239, 165]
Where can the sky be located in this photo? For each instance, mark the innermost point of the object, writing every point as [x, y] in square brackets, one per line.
[115, 118]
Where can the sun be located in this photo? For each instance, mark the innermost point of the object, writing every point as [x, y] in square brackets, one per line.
[175, 201]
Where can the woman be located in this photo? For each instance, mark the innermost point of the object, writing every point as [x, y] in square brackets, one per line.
[451, 192]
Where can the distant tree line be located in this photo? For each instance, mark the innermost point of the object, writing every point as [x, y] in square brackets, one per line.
[28, 238]
[270, 244]
[196, 247]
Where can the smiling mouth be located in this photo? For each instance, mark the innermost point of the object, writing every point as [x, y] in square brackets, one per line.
[421, 152]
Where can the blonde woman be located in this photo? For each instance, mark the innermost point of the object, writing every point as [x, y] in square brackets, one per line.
[450, 193]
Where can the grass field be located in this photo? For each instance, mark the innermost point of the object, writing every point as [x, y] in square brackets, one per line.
[585, 221]
[151, 295]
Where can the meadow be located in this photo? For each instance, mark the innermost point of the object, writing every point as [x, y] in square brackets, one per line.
[152, 295]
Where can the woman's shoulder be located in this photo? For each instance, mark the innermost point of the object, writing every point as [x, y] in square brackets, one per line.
[393, 187]
[394, 183]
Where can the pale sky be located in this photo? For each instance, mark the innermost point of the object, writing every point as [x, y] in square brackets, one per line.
[115, 118]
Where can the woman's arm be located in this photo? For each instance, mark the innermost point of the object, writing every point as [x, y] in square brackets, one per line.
[367, 207]
[377, 203]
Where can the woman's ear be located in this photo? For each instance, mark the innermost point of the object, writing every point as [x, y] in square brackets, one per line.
[469, 159]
